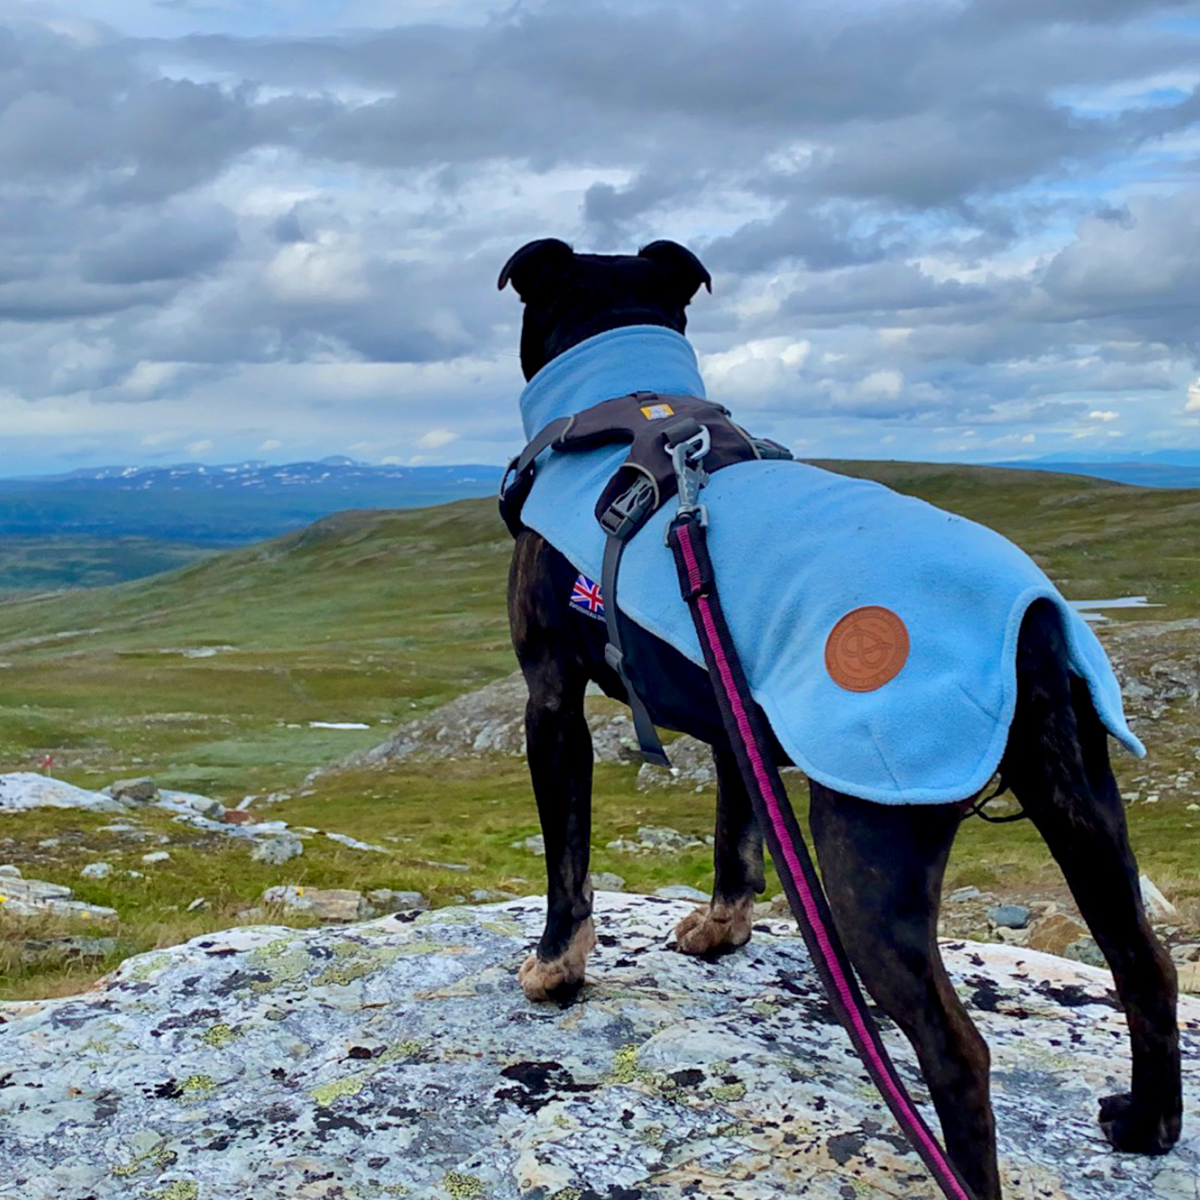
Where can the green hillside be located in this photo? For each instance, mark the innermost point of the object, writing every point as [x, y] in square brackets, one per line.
[370, 616]
[207, 677]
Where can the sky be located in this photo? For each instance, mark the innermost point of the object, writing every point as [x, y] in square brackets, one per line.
[271, 229]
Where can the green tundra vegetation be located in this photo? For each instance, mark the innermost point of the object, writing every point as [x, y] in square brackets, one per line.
[206, 678]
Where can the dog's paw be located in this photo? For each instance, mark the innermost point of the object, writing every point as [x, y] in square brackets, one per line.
[714, 929]
[1127, 1129]
[559, 978]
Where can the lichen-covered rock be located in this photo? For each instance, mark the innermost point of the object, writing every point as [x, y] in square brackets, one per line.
[399, 1058]
[27, 789]
[37, 898]
[490, 720]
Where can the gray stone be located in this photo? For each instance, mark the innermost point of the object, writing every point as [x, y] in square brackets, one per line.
[37, 951]
[96, 870]
[656, 839]
[37, 898]
[9, 871]
[329, 904]
[1009, 916]
[1086, 951]
[26, 789]
[691, 767]
[156, 856]
[197, 904]
[1186, 952]
[607, 881]
[134, 791]
[346, 840]
[207, 807]
[1157, 906]
[277, 848]
[680, 891]
[535, 845]
[385, 900]
[959, 895]
[299, 1048]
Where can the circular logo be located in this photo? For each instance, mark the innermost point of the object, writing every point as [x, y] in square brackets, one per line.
[866, 649]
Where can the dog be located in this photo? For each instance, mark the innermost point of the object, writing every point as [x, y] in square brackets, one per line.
[1055, 761]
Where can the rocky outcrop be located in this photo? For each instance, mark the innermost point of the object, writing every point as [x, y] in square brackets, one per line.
[490, 720]
[399, 1058]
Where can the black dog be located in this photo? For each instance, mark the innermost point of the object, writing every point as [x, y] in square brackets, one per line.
[1056, 763]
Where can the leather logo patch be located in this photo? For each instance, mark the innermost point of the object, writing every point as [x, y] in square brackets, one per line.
[866, 649]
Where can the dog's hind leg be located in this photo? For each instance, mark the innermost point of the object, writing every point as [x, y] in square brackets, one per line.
[724, 925]
[559, 747]
[882, 867]
[1057, 766]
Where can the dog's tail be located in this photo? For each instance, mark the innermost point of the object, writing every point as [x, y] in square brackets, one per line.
[747, 735]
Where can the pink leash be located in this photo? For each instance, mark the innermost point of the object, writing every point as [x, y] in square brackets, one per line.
[744, 725]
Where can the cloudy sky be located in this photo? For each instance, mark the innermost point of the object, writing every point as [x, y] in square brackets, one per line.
[949, 229]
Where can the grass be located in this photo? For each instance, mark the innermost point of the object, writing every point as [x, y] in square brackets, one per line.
[206, 678]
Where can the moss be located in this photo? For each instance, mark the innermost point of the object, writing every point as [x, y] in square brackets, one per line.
[728, 1091]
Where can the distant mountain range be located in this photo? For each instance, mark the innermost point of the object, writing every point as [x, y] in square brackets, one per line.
[222, 505]
[1157, 468]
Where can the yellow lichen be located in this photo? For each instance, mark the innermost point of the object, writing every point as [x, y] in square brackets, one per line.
[461, 1186]
[177, 1189]
[197, 1085]
[144, 966]
[219, 1035]
[327, 1093]
[625, 1067]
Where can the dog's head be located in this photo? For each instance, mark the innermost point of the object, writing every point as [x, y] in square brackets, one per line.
[569, 297]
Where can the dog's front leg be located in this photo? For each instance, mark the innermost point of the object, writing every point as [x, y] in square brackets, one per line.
[724, 925]
[559, 748]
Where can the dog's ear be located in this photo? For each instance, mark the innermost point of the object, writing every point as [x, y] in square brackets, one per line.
[537, 268]
[683, 268]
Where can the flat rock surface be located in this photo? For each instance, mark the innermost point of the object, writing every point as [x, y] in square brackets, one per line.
[399, 1058]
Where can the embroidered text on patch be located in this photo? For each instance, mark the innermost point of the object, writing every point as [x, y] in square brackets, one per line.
[585, 596]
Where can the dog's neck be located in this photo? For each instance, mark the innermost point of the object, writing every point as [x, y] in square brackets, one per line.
[634, 358]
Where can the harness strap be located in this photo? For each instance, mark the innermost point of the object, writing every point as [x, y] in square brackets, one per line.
[649, 743]
[744, 725]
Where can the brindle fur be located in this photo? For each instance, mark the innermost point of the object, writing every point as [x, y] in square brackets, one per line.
[882, 865]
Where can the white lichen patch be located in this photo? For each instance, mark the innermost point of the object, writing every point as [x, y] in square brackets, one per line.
[399, 1058]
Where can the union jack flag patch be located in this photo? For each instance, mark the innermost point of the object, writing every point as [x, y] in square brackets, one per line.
[585, 596]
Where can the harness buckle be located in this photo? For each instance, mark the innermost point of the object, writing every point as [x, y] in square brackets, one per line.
[687, 455]
[626, 514]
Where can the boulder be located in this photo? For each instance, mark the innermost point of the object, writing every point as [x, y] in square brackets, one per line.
[399, 1057]
[37, 898]
[27, 789]
[277, 849]
[489, 720]
[329, 904]
[134, 791]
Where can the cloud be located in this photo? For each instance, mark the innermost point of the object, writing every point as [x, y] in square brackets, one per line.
[281, 225]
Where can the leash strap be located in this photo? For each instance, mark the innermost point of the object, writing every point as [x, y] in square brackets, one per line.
[744, 725]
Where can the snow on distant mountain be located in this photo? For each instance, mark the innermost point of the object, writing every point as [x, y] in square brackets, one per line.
[225, 504]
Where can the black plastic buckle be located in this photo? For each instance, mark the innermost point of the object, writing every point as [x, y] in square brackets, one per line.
[628, 512]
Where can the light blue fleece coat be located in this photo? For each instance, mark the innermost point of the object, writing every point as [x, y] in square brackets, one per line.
[794, 549]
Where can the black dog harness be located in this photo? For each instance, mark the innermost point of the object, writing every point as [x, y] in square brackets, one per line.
[651, 423]
[675, 443]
